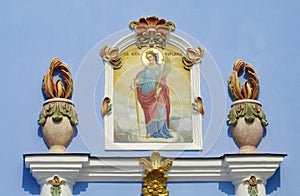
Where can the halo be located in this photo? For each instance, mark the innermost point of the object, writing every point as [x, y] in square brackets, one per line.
[160, 56]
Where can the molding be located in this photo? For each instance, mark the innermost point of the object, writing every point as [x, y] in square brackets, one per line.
[44, 166]
[260, 165]
[85, 168]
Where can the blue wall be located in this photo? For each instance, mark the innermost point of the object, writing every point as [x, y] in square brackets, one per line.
[263, 33]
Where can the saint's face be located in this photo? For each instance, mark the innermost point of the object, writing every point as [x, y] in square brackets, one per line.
[150, 58]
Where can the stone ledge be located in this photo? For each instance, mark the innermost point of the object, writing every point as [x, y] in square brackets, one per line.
[85, 168]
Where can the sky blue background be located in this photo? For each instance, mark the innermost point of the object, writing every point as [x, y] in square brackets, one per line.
[263, 33]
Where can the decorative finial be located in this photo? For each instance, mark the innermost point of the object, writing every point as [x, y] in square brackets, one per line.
[246, 117]
[250, 88]
[63, 87]
[58, 117]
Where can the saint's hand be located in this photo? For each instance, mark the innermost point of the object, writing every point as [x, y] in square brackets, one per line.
[157, 92]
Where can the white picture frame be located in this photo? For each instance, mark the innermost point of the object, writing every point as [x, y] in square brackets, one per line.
[117, 119]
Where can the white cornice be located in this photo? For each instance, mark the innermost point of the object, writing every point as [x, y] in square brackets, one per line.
[83, 167]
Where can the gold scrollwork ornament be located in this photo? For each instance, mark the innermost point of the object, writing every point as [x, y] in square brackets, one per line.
[192, 57]
[155, 178]
[111, 55]
[155, 183]
[198, 105]
[106, 107]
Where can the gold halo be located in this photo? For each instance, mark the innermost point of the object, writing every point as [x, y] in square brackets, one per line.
[160, 56]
